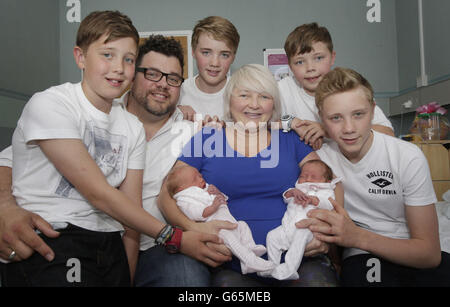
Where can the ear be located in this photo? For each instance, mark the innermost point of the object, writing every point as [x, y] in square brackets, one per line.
[79, 56]
[333, 57]
[193, 53]
[373, 109]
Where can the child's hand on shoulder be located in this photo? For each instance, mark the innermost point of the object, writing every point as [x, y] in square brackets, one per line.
[310, 132]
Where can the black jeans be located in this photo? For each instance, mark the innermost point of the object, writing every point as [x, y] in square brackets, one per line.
[367, 270]
[83, 258]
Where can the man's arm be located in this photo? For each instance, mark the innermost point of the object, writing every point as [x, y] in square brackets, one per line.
[17, 225]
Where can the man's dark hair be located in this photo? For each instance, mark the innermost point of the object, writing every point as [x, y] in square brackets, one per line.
[161, 44]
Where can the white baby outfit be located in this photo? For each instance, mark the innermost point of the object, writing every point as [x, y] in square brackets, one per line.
[193, 200]
[288, 237]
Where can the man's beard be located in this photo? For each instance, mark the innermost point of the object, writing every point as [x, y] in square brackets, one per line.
[143, 101]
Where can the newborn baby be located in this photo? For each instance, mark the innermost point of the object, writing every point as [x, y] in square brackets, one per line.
[202, 202]
[312, 190]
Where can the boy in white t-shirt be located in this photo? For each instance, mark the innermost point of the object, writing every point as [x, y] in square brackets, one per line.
[215, 41]
[78, 163]
[389, 226]
[309, 49]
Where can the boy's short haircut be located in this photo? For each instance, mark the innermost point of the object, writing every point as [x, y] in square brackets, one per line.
[220, 29]
[164, 45]
[328, 174]
[341, 80]
[114, 24]
[300, 40]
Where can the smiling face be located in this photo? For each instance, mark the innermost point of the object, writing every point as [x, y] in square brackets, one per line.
[158, 98]
[250, 107]
[213, 59]
[309, 68]
[347, 118]
[108, 69]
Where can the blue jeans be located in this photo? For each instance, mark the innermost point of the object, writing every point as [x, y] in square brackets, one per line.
[82, 258]
[315, 271]
[157, 268]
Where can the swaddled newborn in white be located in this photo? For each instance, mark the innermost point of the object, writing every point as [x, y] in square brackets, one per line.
[202, 202]
[312, 190]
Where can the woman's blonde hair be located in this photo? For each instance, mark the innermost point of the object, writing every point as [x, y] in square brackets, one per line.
[341, 80]
[257, 78]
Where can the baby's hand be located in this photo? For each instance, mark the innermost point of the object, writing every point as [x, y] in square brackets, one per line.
[220, 198]
[313, 200]
[213, 190]
[300, 198]
[217, 202]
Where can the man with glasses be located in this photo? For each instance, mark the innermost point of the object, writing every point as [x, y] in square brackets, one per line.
[153, 99]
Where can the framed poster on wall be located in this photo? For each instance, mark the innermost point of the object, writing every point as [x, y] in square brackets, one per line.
[184, 37]
[277, 62]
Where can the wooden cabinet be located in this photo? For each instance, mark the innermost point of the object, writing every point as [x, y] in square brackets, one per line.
[438, 156]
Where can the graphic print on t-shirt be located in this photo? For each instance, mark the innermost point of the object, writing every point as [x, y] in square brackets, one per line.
[106, 149]
[380, 180]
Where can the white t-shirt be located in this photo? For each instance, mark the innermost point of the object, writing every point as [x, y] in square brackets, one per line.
[116, 141]
[392, 174]
[202, 103]
[6, 157]
[296, 102]
[163, 150]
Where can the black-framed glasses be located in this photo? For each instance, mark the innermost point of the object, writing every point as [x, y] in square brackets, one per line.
[156, 75]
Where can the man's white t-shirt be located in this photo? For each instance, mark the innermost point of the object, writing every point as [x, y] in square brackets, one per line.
[296, 102]
[202, 103]
[116, 141]
[163, 150]
[393, 174]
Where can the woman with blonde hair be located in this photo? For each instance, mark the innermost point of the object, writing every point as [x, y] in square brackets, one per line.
[253, 162]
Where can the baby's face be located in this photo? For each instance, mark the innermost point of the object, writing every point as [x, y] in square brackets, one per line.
[312, 173]
[192, 177]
